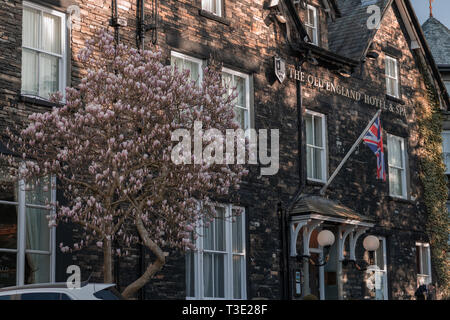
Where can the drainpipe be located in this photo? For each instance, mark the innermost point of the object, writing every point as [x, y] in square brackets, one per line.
[285, 282]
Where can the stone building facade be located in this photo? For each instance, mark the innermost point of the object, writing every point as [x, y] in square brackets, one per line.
[334, 83]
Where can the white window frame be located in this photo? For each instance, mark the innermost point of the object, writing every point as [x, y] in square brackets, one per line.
[21, 250]
[228, 269]
[314, 27]
[446, 151]
[62, 57]
[207, 6]
[396, 93]
[324, 144]
[200, 63]
[404, 194]
[427, 277]
[246, 77]
[384, 270]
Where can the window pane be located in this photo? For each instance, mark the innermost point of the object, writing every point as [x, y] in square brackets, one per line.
[8, 227]
[219, 276]
[311, 17]
[208, 239]
[38, 191]
[238, 243]
[208, 274]
[37, 268]
[30, 25]
[37, 229]
[310, 32]
[309, 162]
[227, 80]
[309, 129]
[388, 67]
[7, 269]
[318, 137]
[8, 187]
[177, 63]
[418, 260]
[193, 68]
[241, 116]
[318, 165]
[237, 276]
[395, 152]
[48, 75]
[425, 261]
[206, 5]
[219, 226]
[29, 72]
[395, 181]
[241, 90]
[51, 33]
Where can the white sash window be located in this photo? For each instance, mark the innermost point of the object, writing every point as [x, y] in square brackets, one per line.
[316, 146]
[241, 81]
[213, 6]
[217, 269]
[397, 166]
[27, 244]
[392, 75]
[423, 262]
[43, 51]
[311, 24]
[185, 62]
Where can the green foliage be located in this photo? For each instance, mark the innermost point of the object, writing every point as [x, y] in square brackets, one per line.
[435, 184]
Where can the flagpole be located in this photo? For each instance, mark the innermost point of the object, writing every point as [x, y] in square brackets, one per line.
[324, 188]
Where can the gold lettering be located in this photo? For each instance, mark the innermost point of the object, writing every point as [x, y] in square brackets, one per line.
[333, 88]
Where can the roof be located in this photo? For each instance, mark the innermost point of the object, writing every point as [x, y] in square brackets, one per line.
[438, 38]
[316, 204]
[348, 35]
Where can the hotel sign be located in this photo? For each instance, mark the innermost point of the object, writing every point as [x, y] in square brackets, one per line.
[338, 89]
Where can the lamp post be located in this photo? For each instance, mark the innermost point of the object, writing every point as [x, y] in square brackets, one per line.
[370, 244]
[325, 238]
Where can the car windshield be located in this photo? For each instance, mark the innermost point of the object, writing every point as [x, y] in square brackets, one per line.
[108, 294]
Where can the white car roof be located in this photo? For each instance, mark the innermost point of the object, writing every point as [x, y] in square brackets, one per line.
[60, 286]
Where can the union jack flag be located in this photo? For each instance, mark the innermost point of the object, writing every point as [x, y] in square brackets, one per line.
[374, 140]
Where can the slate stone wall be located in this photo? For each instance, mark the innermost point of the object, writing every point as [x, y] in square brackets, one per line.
[246, 40]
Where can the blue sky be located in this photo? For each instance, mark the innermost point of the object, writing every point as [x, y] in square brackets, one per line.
[441, 10]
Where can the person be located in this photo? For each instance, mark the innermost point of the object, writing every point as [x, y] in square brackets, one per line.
[421, 292]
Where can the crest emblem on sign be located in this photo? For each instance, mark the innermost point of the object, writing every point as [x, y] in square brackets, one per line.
[280, 69]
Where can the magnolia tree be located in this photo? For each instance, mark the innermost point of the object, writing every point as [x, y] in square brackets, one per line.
[110, 147]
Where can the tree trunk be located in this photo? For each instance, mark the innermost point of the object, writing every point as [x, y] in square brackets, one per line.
[107, 262]
[157, 265]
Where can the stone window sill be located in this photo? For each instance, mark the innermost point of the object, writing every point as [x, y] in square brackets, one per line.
[315, 182]
[403, 200]
[37, 101]
[211, 16]
[394, 99]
